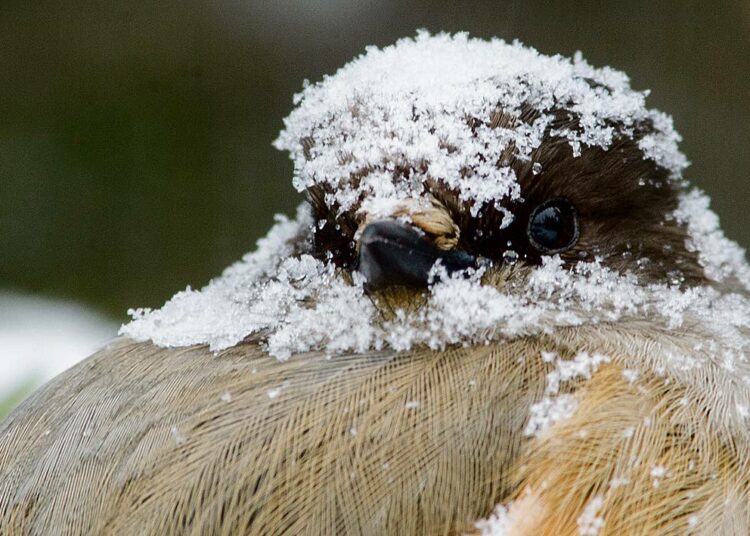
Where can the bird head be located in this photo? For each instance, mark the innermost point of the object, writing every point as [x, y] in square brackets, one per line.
[440, 152]
[462, 191]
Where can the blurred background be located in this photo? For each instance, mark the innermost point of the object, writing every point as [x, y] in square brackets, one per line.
[135, 153]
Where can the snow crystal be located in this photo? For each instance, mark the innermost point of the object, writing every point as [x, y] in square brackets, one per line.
[556, 407]
[497, 524]
[658, 472]
[177, 436]
[295, 303]
[582, 365]
[276, 391]
[548, 411]
[251, 295]
[424, 105]
[631, 375]
[619, 482]
[590, 522]
[721, 258]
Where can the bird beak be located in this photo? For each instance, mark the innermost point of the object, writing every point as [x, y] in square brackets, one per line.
[392, 253]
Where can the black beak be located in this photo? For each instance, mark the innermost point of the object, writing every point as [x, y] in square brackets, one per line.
[392, 253]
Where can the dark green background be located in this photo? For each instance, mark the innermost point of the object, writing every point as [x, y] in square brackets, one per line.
[135, 152]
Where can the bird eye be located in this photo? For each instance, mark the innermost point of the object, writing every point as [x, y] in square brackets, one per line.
[553, 226]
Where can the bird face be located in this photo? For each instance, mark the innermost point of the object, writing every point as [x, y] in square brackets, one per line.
[612, 206]
[443, 157]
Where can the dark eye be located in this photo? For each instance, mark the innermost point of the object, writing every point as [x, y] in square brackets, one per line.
[553, 226]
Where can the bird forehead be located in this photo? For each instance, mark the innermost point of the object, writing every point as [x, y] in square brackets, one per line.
[461, 113]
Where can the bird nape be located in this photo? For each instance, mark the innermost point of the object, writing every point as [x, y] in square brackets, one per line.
[502, 309]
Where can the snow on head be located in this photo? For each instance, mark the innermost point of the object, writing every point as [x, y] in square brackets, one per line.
[422, 107]
[722, 259]
[373, 133]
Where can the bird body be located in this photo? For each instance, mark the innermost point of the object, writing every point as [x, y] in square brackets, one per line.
[145, 441]
[501, 302]
[139, 439]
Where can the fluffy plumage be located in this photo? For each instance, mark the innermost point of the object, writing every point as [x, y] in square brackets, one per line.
[143, 440]
[154, 441]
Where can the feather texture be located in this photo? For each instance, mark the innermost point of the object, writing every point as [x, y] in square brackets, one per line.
[647, 459]
[147, 440]
[144, 440]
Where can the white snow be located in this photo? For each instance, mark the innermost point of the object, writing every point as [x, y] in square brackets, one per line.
[658, 472]
[276, 391]
[590, 522]
[308, 305]
[555, 407]
[631, 375]
[41, 337]
[177, 436]
[498, 524]
[424, 104]
[721, 258]
[501, 522]
[548, 411]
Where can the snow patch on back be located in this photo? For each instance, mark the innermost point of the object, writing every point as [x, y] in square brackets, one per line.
[555, 407]
[243, 301]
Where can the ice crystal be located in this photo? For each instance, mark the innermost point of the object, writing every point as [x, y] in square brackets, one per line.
[590, 522]
[498, 524]
[422, 107]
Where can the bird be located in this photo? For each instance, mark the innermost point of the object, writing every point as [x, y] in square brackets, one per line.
[501, 309]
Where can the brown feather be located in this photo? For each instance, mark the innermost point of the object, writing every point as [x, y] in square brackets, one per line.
[137, 439]
[147, 440]
[652, 451]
